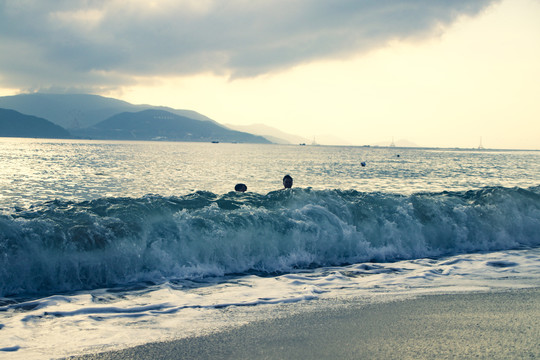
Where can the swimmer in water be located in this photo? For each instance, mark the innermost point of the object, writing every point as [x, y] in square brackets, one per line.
[287, 181]
[240, 187]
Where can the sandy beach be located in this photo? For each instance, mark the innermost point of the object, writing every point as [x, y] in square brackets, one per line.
[493, 325]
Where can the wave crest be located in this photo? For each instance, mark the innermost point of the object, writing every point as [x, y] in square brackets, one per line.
[64, 246]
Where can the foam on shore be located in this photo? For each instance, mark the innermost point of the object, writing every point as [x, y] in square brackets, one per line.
[492, 325]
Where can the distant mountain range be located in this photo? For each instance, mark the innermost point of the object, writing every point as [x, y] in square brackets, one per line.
[163, 125]
[78, 111]
[97, 117]
[15, 124]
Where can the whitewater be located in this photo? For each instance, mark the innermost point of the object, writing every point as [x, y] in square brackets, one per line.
[122, 243]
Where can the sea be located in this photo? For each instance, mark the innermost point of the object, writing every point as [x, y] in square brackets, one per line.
[109, 244]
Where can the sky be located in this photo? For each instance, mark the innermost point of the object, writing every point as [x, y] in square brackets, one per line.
[359, 72]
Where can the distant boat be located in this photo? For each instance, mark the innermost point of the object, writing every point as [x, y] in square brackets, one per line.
[302, 144]
[314, 143]
[215, 142]
[392, 144]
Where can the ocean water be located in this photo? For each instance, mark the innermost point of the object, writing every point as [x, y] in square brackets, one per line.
[121, 243]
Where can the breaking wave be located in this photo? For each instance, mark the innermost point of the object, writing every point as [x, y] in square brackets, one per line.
[61, 246]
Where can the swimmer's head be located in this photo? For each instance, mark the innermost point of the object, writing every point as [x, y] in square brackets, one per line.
[240, 187]
[287, 181]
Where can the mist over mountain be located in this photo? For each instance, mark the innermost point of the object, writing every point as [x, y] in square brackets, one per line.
[274, 135]
[280, 137]
[78, 111]
[15, 124]
[163, 125]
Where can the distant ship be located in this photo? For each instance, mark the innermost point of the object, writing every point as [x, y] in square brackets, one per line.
[392, 144]
[480, 147]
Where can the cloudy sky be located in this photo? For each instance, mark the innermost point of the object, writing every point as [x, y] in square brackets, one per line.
[437, 73]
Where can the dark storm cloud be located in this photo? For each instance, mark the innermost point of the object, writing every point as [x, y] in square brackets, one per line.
[94, 44]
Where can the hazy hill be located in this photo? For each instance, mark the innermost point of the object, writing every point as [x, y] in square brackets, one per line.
[326, 139]
[163, 125]
[15, 124]
[272, 134]
[77, 111]
[280, 137]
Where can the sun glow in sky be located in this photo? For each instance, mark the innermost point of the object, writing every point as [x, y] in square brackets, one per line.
[447, 84]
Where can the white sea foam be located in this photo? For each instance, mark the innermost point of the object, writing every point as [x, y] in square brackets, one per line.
[105, 319]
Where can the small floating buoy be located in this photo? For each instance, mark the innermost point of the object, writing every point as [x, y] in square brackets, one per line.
[397, 155]
[363, 163]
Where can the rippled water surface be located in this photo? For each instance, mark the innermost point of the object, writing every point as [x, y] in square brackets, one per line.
[121, 243]
[36, 170]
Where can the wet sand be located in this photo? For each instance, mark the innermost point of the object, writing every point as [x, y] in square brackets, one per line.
[494, 325]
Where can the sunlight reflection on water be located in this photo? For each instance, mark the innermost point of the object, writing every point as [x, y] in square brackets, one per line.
[35, 170]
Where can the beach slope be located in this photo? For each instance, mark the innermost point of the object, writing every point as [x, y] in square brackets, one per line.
[494, 325]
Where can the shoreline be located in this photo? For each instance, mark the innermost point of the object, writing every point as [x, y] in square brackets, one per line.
[494, 325]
